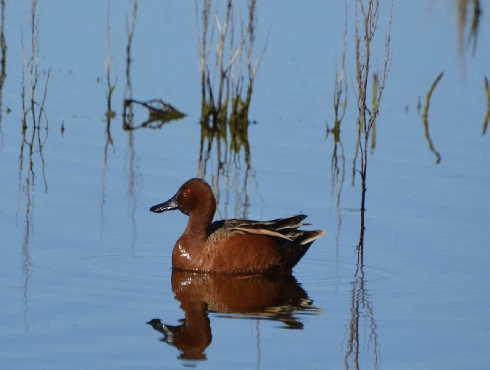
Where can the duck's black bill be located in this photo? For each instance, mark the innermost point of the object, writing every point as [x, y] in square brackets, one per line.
[169, 205]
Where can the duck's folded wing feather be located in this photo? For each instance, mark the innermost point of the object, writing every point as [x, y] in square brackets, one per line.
[285, 228]
[259, 231]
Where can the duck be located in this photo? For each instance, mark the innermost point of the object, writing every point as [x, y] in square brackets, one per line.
[233, 246]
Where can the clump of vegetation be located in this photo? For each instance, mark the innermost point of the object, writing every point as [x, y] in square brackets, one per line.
[366, 25]
[227, 82]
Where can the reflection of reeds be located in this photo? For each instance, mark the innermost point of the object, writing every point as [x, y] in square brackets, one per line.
[34, 119]
[425, 117]
[128, 91]
[226, 99]
[361, 309]
[110, 86]
[3, 62]
[109, 113]
[33, 109]
[339, 107]
[159, 112]
[463, 10]
[128, 94]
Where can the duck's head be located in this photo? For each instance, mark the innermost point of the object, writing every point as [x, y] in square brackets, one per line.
[194, 196]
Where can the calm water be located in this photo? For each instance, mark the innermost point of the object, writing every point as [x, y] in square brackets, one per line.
[85, 265]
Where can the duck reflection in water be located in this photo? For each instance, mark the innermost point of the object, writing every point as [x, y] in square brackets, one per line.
[263, 296]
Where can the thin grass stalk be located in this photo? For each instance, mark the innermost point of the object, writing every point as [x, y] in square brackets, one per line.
[425, 117]
[487, 117]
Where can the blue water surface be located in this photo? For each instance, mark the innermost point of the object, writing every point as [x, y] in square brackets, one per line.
[85, 265]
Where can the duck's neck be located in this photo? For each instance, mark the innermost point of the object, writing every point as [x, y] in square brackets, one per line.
[199, 222]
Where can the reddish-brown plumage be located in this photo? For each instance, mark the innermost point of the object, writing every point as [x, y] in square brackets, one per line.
[233, 246]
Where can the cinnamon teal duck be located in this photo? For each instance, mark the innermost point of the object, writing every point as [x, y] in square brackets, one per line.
[233, 246]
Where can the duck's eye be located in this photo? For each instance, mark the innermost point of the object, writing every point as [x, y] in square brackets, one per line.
[187, 191]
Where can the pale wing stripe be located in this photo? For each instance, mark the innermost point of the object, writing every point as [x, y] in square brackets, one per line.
[260, 232]
[313, 237]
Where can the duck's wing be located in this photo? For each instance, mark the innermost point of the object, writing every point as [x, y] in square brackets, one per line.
[292, 243]
[286, 228]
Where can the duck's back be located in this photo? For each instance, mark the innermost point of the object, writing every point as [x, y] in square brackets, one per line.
[247, 246]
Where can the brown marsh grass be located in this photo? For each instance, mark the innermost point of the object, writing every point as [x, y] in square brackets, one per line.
[227, 81]
[367, 84]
